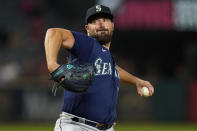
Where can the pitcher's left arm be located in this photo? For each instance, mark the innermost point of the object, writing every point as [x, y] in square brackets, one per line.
[128, 78]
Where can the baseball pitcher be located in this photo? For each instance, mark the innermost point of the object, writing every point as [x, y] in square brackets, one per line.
[91, 77]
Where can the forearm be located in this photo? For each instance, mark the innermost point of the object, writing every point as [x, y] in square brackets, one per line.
[53, 41]
[126, 77]
[55, 38]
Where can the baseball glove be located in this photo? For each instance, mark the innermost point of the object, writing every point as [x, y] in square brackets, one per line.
[74, 78]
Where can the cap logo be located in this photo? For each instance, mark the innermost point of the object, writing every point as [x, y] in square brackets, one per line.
[98, 8]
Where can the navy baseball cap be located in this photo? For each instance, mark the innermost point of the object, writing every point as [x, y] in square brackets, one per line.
[98, 10]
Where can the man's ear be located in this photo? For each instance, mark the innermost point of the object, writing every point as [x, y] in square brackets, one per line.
[113, 24]
[87, 29]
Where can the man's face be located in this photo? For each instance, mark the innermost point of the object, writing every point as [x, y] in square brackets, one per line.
[101, 28]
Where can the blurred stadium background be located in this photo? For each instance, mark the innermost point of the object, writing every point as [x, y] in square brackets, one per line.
[153, 39]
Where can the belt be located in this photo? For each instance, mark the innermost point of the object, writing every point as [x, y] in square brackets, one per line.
[99, 126]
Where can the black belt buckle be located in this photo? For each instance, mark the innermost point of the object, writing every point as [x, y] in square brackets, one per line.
[99, 126]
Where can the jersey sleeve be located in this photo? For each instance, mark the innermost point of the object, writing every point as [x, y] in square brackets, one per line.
[83, 45]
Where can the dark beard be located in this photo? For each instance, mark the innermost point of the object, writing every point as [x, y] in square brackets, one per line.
[103, 39]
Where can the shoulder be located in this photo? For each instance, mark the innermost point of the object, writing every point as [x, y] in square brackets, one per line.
[82, 35]
[83, 44]
[65, 33]
[83, 39]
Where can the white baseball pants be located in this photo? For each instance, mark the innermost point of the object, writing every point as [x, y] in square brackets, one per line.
[65, 123]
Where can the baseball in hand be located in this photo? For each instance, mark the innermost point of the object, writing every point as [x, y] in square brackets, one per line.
[145, 91]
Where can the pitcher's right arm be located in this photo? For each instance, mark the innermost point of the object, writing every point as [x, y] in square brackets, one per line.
[54, 39]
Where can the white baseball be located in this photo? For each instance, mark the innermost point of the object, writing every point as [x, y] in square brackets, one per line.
[145, 91]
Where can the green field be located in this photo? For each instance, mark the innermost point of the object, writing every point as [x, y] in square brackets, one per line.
[119, 127]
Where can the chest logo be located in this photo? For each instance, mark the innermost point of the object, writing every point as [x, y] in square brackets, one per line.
[103, 68]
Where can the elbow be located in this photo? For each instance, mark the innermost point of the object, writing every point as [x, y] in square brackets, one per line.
[51, 31]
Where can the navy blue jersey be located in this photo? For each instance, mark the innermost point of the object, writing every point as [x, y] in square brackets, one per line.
[99, 102]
